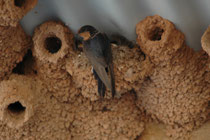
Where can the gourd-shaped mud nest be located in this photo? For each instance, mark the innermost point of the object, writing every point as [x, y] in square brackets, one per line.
[48, 91]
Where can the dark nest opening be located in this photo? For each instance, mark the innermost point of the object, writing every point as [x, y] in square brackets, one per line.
[156, 34]
[19, 3]
[16, 108]
[53, 44]
[20, 67]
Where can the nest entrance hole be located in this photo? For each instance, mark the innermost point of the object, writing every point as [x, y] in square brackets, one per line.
[156, 34]
[53, 44]
[16, 108]
[19, 3]
[20, 67]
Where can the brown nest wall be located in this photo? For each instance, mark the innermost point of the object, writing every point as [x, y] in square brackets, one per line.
[14, 44]
[112, 119]
[78, 117]
[61, 102]
[18, 98]
[52, 43]
[178, 90]
[81, 119]
[11, 11]
[205, 42]
[131, 67]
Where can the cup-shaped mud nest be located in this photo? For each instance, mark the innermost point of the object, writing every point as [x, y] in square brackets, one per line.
[17, 100]
[52, 41]
[14, 44]
[12, 11]
[158, 38]
[205, 41]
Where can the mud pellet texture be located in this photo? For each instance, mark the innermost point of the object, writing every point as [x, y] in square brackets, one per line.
[14, 44]
[178, 90]
[12, 11]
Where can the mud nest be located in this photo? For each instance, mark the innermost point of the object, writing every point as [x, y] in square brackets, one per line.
[12, 11]
[14, 44]
[178, 90]
[53, 93]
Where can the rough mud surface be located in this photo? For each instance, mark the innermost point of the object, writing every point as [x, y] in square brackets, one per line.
[53, 42]
[130, 67]
[157, 131]
[61, 108]
[11, 11]
[53, 94]
[14, 44]
[178, 90]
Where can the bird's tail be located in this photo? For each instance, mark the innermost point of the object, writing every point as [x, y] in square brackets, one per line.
[103, 76]
[107, 79]
[101, 86]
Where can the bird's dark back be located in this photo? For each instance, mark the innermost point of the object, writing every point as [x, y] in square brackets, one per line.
[99, 46]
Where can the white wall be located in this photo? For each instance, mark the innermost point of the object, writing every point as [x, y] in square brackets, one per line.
[111, 16]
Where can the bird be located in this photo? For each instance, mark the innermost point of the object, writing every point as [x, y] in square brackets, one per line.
[120, 40]
[97, 48]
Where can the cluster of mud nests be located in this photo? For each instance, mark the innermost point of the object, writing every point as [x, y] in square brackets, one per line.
[48, 91]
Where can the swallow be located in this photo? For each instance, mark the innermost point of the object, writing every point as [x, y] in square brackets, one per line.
[121, 41]
[97, 48]
[101, 85]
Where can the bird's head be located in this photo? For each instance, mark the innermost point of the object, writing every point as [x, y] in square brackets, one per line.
[86, 32]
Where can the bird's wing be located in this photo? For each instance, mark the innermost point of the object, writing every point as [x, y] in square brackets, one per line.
[101, 86]
[103, 75]
[108, 59]
[98, 52]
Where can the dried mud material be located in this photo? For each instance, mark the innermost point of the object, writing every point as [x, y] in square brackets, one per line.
[178, 90]
[56, 95]
[75, 118]
[205, 42]
[14, 44]
[108, 119]
[157, 131]
[52, 43]
[131, 67]
[12, 11]
[18, 99]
